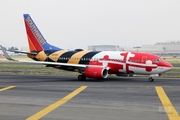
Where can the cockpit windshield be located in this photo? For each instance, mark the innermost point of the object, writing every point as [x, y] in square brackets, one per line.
[159, 60]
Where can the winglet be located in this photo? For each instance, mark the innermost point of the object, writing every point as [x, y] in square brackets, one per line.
[6, 54]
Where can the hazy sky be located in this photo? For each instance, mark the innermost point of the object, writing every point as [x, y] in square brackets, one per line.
[79, 23]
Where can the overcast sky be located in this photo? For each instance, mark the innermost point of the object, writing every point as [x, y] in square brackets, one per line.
[79, 23]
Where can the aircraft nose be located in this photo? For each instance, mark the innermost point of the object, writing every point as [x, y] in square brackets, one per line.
[169, 66]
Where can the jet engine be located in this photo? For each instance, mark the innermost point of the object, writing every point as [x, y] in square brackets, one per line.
[96, 73]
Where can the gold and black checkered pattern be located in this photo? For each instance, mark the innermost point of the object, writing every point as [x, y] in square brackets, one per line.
[65, 56]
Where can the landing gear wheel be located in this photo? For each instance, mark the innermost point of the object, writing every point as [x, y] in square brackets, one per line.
[151, 79]
[81, 77]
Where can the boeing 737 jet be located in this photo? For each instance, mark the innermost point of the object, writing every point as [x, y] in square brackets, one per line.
[90, 64]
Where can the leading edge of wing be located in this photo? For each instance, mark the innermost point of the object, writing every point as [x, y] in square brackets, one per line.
[15, 51]
[63, 64]
[51, 63]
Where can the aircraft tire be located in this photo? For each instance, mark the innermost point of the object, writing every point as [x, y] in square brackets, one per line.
[151, 79]
[81, 77]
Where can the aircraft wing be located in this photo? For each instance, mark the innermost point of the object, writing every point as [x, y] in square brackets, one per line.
[15, 51]
[5, 53]
[61, 64]
[49, 63]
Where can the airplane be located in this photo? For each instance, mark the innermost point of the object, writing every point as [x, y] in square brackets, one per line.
[90, 64]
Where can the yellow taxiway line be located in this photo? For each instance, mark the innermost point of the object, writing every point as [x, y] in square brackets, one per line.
[53, 106]
[168, 107]
[6, 88]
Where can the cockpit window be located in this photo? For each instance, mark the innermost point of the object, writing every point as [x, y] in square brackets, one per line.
[158, 60]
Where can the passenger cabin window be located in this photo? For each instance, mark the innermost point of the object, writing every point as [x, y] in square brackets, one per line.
[136, 61]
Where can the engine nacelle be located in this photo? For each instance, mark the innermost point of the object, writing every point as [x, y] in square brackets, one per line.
[96, 73]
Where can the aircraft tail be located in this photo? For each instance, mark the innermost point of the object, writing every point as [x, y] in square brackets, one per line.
[36, 40]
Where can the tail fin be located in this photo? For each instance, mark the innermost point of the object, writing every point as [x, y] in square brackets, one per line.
[35, 39]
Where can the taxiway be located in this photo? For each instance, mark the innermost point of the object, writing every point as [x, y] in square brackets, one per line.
[115, 98]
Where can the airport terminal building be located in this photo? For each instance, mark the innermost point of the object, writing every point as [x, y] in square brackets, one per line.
[105, 48]
[161, 48]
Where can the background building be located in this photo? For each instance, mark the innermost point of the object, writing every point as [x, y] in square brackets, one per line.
[163, 48]
[105, 48]
[160, 48]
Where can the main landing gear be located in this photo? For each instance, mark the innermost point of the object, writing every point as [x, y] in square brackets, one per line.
[81, 77]
[151, 79]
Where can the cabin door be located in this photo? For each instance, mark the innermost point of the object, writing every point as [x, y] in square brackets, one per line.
[144, 59]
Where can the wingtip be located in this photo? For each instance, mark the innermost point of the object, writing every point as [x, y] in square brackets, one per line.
[6, 54]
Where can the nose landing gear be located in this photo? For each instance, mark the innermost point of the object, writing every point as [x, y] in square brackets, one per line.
[151, 77]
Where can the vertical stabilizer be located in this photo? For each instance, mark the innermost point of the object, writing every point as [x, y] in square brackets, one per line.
[36, 40]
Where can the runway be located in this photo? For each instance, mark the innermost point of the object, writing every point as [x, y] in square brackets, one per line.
[115, 98]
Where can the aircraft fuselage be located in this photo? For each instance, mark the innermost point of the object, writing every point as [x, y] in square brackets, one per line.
[118, 62]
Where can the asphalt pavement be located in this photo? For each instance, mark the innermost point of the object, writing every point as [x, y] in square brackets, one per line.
[65, 98]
